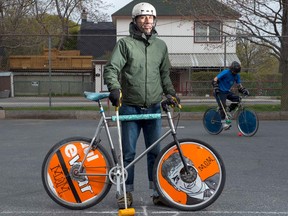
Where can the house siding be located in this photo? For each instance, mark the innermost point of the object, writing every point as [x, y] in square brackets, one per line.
[178, 35]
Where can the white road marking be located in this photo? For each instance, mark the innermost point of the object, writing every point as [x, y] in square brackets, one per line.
[144, 212]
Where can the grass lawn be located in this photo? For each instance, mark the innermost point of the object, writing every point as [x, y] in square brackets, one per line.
[185, 108]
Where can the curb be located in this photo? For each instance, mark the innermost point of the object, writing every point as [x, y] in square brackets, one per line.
[89, 115]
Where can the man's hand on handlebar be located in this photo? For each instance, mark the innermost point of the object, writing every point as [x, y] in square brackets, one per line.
[115, 97]
[173, 101]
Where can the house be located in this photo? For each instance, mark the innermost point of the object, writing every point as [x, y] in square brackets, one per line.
[2, 55]
[96, 39]
[63, 72]
[69, 72]
[192, 30]
[6, 84]
[189, 27]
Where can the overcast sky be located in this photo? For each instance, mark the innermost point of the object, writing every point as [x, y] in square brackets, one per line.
[117, 5]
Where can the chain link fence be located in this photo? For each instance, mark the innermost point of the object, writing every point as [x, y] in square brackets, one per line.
[36, 65]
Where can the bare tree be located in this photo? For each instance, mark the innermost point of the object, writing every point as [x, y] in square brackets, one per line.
[25, 24]
[68, 10]
[15, 23]
[262, 22]
[14, 16]
[13, 13]
[256, 58]
[265, 22]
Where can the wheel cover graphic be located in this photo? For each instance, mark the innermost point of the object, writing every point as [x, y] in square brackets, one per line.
[198, 186]
[63, 178]
[212, 121]
[247, 122]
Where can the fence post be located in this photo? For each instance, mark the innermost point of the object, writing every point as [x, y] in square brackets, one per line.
[49, 63]
[225, 51]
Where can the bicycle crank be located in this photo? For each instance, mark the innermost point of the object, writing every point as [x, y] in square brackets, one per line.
[115, 173]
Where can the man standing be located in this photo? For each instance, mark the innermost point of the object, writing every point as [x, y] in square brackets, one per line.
[139, 69]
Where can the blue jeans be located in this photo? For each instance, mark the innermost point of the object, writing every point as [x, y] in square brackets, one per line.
[130, 133]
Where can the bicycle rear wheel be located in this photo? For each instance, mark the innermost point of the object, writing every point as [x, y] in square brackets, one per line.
[197, 190]
[247, 122]
[212, 121]
[60, 179]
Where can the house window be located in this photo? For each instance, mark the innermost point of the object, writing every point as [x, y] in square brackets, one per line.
[207, 31]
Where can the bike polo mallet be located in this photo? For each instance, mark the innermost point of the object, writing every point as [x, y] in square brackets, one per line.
[228, 121]
[127, 211]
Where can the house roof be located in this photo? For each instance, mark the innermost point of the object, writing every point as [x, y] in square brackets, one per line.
[96, 39]
[192, 8]
[2, 51]
[202, 60]
[4, 73]
[86, 25]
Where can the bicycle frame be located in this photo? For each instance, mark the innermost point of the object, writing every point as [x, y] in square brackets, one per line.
[236, 110]
[239, 107]
[103, 122]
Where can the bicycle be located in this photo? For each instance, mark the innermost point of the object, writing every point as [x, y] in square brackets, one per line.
[247, 120]
[77, 172]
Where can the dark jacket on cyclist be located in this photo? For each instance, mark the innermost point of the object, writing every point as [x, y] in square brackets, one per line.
[140, 62]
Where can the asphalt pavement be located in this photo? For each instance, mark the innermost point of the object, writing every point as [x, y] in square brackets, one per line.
[256, 169]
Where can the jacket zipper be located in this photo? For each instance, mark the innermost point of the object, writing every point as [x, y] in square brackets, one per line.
[146, 66]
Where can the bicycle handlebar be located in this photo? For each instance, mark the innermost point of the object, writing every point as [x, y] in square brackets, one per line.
[170, 102]
[137, 117]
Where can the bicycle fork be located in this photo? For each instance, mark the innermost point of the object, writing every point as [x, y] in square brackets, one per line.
[173, 132]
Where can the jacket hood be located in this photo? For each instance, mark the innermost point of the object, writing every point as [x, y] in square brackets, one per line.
[136, 33]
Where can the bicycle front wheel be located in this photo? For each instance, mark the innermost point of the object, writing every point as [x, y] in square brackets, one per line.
[61, 179]
[247, 122]
[194, 190]
[212, 121]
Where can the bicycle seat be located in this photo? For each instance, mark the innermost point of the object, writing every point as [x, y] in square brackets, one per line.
[96, 96]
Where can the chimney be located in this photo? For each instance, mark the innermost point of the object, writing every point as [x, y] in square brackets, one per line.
[84, 16]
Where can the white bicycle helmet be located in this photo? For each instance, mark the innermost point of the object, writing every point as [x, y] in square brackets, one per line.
[143, 8]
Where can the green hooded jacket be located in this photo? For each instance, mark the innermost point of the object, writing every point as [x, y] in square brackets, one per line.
[140, 67]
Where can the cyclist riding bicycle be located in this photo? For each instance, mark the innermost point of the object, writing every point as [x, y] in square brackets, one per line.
[222, 85]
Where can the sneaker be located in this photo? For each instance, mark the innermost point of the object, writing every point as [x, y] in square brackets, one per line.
[158, 201]
[226, 126]
[121, 201]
